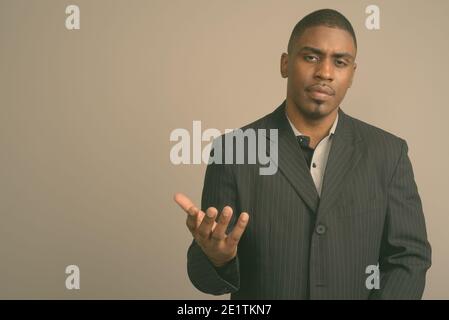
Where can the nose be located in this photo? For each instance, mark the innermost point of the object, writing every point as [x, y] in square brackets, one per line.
[325, 70]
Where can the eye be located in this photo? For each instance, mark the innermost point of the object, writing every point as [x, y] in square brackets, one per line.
[310, 58]
[341, 63]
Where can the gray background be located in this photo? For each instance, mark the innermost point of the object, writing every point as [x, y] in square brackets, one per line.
[85, 175]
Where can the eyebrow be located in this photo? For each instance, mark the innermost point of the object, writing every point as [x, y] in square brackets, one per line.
[321, 52]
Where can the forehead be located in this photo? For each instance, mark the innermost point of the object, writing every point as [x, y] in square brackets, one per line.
[326, 39]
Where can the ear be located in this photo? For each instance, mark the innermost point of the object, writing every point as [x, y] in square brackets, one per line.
[284, 65]
[353, 72]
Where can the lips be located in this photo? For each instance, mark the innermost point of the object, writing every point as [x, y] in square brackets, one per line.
[319, 92]
[321, 89]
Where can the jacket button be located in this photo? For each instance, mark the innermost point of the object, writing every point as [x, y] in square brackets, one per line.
[320, 229]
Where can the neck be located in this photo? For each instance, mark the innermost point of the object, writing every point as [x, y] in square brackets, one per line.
[316, 129]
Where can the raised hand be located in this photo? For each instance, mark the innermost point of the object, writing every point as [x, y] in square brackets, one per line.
[211, 236]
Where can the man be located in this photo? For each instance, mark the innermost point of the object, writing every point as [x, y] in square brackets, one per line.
[342, 201]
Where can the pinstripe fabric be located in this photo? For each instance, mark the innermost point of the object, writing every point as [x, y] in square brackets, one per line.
[298, 246]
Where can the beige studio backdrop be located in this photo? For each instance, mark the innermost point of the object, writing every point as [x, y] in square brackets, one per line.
[86, 115]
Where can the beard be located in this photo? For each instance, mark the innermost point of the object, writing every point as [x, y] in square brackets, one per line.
[314, 109]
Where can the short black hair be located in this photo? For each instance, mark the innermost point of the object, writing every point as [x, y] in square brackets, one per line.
[324, 17]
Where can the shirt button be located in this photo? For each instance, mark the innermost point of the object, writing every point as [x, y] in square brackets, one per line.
[314, 165]
[320, 229]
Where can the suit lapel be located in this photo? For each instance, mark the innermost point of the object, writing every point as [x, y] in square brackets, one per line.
[346, 151]
[291, 162]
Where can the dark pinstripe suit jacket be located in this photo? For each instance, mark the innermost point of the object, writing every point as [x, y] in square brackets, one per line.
[298, 245]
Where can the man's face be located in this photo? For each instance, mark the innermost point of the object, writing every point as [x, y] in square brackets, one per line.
[319, 68]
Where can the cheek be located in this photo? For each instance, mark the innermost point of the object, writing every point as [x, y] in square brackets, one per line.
[345, 80]
[301, 74]
[300, 79]
[341, 93]
[343, 84]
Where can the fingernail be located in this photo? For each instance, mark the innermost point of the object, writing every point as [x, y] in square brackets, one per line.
[210, 213]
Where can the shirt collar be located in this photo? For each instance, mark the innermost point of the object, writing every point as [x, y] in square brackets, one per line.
[331, 131]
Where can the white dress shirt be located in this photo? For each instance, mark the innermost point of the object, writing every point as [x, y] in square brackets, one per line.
[320, 155]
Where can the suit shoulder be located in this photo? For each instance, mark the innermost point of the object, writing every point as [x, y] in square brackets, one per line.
[384, 148]
[255, 125]
[259, 123]
[375, 135]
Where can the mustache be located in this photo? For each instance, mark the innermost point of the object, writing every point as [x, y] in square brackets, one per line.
[321, 87]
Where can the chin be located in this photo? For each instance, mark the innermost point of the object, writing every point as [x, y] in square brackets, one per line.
[316, 110]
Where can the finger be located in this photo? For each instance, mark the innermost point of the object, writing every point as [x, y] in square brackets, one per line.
[205, 228]
[193, 215]
[183, 201]
[234, 237]
[219, 233]
[200, 217]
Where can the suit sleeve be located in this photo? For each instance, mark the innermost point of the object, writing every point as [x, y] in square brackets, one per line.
[405, 252]
[219, 191]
